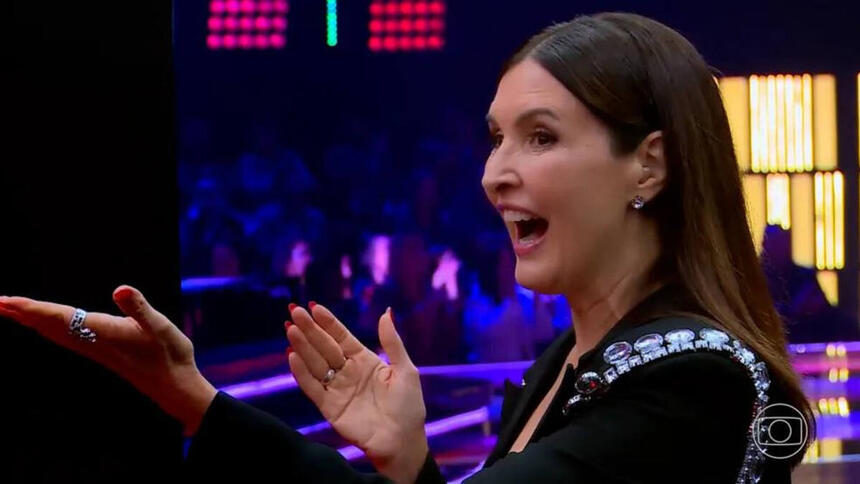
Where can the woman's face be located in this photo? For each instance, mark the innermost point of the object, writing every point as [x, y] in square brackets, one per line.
[552, 176]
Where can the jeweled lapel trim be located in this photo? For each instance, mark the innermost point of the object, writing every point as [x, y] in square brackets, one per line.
[622, 357]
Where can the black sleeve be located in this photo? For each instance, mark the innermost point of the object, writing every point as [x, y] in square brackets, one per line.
[236, 441]
[680, 419]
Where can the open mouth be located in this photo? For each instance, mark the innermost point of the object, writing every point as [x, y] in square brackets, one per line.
[529, 231]
[529, 228]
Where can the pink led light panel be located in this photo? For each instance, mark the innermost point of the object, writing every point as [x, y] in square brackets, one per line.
[397, 25]
[247, 24]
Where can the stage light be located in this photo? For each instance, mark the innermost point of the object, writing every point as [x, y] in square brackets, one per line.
[262, 23]
[247, 24]
[277, 41]
[331, 23]
[415, 25]
[215, 24]
[755, 194]
[736, 100]
[261, 41]
[829, 221]
[213, 41]
[778, 201]
[229, 41]
[802, 220]
[780, 123]
[824, 121]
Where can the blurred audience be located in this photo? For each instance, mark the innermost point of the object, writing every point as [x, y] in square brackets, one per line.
[384, 217]
[798, 296]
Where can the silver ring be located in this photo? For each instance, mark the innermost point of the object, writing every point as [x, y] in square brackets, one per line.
[78, 329]
[329, 376]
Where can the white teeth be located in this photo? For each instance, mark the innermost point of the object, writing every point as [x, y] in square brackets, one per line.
[529, 239]
[516, 216]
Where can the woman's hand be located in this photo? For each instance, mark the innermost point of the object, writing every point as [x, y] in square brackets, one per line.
[144, 348]
[378, 407]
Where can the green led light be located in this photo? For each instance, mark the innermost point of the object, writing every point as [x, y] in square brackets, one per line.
[331, 23]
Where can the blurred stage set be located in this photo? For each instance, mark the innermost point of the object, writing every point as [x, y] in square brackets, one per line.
[332, 151]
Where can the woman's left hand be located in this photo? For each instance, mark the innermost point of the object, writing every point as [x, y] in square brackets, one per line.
[376, 406]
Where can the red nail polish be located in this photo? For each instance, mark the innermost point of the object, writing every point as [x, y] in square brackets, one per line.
[123, 294]
[292, 306]
[289, 351]
[311, 305]
[287, 325]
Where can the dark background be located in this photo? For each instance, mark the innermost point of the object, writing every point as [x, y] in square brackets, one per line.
[88, 201]
[88, 187]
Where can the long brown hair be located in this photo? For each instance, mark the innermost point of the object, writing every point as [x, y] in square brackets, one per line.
[638, 76]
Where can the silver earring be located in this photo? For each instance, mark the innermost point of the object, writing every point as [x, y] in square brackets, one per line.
[638, 202]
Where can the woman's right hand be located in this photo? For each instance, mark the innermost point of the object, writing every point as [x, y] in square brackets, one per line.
[378, 407]
[144, 348]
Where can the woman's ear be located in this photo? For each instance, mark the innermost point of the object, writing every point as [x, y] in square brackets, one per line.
[651, 163]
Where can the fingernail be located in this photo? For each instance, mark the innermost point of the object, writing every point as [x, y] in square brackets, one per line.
[123, 294]
[289, 351]
[292, 306]
[287, 325]
[311, 305]
[391, 313]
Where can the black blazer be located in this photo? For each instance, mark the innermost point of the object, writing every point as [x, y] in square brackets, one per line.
[684, 416]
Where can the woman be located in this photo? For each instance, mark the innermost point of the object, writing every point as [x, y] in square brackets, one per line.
[613, 168]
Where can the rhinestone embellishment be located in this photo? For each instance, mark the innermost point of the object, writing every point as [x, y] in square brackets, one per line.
[588, 382]
[617, 352]
[680, 336]
[648, 343]
[714, 336]
[650, 347]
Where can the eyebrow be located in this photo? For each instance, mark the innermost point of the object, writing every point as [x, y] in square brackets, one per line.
[531, 113]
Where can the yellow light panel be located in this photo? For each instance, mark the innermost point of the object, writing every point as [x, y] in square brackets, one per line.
[780, 120]
[829, 220]
[829, 282]
[736, 100]
[755, 196]
[824, 121]
[802, 220]
[778, 202]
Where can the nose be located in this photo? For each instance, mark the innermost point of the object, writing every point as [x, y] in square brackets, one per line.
[499, 176]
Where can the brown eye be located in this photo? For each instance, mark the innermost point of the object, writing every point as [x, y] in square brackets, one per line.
[495, 140]
[543, 138]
